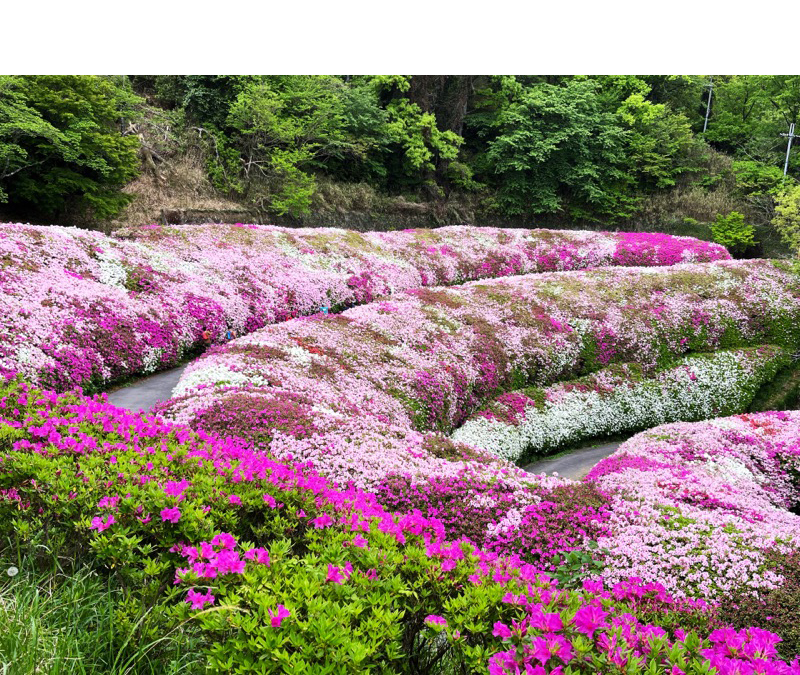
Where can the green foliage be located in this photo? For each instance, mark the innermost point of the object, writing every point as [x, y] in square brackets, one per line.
[787, 217]
[62, 620]
[415, 133]
[756, 178]
[733, 232]
[556, 149]
[659, 143]
[61, 146]
[599, 148]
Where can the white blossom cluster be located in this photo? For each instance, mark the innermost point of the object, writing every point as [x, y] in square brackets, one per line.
[699, 387]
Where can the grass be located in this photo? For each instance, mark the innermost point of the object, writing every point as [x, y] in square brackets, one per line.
[56, 622]
[782, 393]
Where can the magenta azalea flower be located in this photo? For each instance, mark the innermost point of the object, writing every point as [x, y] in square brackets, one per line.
[435, 620]
[199, 600]
[172, 515]
[589, 618]
[322, 521]
[101, 524]
[276, 618]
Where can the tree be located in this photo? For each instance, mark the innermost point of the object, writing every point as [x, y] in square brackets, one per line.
[659, 142]
[556, 149]
[733, 232]
[61, 146]
[281, 127]
[787, 217]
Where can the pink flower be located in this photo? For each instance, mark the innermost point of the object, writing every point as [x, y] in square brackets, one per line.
[172, 515]
[276, 618]
[336, 575]
[501, 630]
[225, 540]
[322, 521]
[102, 524]
[588, 619]
[199, 600]
[435, 620]
[260, 555]
[359, 541]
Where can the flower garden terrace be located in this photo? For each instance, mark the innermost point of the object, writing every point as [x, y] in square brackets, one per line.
[375, 391]
[281, 571]
[81, 308]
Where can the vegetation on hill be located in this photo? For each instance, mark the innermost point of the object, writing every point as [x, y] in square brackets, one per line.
[614, 150]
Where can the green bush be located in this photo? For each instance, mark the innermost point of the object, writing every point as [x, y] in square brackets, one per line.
[787, 217]
[733, 232]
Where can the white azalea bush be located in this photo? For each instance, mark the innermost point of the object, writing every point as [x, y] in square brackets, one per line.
[524, 424]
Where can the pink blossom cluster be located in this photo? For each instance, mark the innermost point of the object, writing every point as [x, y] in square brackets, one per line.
[367, 393]
[588, 637]
[696, 506]
[81, 308]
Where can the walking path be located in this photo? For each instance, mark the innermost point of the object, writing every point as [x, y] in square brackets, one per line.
[144, 394]
[573, 465]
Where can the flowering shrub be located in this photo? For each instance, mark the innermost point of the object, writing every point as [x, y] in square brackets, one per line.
[363, 395]
[80, 308]
[521, 424]
[778, 609]
[282, 572]
[697, 507]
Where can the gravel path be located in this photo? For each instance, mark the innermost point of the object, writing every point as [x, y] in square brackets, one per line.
[145, 393]
[574, 465]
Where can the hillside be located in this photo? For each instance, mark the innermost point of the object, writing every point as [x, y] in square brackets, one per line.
[393, 152]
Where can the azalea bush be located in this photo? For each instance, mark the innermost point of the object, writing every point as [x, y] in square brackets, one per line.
[704, 508]
[80, 308]
[523, 424]
[273, 569]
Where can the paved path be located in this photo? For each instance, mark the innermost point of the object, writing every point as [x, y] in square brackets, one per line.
[145, 393]
[574, 465]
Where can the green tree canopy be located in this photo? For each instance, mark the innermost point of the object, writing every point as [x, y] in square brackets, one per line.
[61, 143]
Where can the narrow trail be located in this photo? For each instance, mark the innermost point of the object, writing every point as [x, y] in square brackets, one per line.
[573, 465]
[144, 394]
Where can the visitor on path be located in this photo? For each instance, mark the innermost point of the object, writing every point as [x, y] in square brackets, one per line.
[206, 336]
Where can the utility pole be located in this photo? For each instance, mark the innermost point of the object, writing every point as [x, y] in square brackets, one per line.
[710, 86]
[791, 136]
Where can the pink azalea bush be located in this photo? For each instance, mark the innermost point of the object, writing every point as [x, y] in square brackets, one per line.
[368, 393]
[81, 308]
[314, 576]
[697, 507]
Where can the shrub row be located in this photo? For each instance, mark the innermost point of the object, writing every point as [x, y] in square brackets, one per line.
[370, 392]
[531, 422]
[80, 308]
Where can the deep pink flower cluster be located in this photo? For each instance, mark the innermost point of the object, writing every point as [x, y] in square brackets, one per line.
[554, 635]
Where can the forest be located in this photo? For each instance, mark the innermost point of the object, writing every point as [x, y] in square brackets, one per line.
[613, 151]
